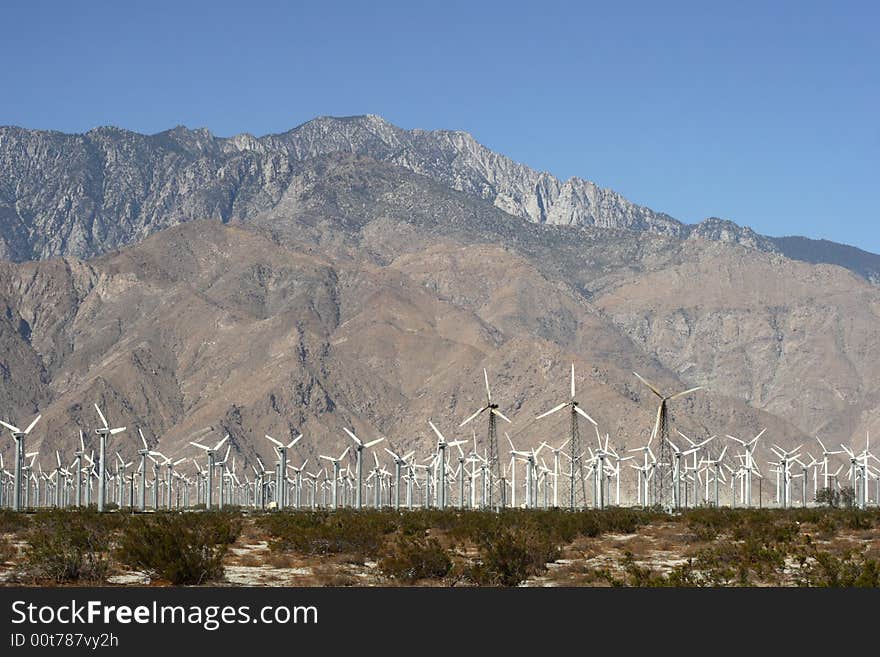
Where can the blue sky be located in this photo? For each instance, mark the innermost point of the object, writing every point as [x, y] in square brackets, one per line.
[765, 113]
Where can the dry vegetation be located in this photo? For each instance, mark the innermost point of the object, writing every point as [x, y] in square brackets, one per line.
[616, 547]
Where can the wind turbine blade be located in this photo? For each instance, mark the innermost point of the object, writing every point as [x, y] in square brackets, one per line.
[277, 442]
[437, 431]
[143, 440]
[572, 381]
[650, 385]
[374, 442]
[294, 441]
[344, 452]
[103, 419]
[200, 446]
[581, 411]
[486, 377]
[501, 415]
[113, 432]
[473, 416]
[218, 445]
[353, 437]
[10, 427]
[32, 424]
[685, 392]
[552, 410]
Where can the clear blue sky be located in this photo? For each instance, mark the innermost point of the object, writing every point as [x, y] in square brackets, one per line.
[765, 113]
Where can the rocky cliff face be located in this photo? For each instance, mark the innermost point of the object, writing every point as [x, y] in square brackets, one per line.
[84, 195]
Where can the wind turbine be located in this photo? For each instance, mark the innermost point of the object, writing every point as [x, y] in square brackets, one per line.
[749, 464]
[441, 454]
[75, 467]
[825, 454]
[209, 483]
[661, 430]
[785, 459]
[399, 461]
[646, 469]
[359, 448]
[493, 462]
[556, 451]
[18, 436]
[281, 479]
[142, 492]
[335, 480]
[716, 464]
[103, 432]
[297, 498]
[575, 444]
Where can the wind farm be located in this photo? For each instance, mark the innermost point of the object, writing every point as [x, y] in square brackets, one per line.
[715, 479]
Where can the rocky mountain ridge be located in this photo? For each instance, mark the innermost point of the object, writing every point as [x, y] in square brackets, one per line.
[84, 195]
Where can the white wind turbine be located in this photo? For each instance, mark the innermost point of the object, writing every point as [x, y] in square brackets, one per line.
[697, 446]
[645, 471]
[718, 473]
[531, 459]
[784, 464]
[336, 474]
[825, 454]
[281, 478]
[298, 473]
[399, 462]
[18, 436]
[142, 490]
[556, 451]
[574, 439]
[209, 480]
[359, 448]
[442, 444]
[76, 466]
[169, 464]
[749, 464]
[103, 432]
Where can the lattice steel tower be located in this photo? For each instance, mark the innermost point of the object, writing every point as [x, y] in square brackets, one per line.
[493, 462]
[662, 484]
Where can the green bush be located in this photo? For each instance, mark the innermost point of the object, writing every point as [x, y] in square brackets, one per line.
[359, 534]
[7, 550]
[511, 556]
[67, 546]
[180, 548]
[411, 559]
[12, 522]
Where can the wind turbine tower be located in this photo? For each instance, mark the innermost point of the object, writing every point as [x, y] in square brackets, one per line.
[494, 464]
[663, 484]
[18, 436]
[578, 485]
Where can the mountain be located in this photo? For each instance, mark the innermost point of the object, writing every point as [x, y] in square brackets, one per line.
[368, 295]
[84, 195]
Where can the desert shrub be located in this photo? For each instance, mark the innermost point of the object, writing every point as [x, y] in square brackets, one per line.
[179, 548]
[7, 550]
[12, 522]
[855, 519]
[827, 526]
[511, 556]
[360, 534]
[67, 546]
[828, 497]
[828, 570]
[411, 559]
